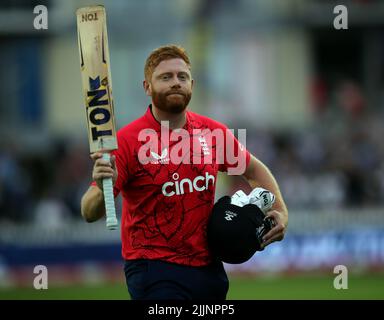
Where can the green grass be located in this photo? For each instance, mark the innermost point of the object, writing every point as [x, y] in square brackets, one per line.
[307, 287]
[76, 292]
[296, 287]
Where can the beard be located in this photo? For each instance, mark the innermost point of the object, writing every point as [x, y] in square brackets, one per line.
[173, 101]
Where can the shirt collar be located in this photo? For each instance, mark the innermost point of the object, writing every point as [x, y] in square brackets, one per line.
[156, 124]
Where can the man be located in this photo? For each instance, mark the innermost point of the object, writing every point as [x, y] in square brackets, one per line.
[166, 203]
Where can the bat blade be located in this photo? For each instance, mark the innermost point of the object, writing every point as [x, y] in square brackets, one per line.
[97, 91]
[96, 78]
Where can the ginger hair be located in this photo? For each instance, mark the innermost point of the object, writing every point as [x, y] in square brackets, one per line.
[164, 53]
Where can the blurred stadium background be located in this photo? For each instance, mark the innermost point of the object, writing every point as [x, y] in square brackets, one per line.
[310, 97]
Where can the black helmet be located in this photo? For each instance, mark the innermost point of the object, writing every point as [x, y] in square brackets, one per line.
[235, 233]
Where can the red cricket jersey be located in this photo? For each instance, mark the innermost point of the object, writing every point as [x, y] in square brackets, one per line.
[168, 194]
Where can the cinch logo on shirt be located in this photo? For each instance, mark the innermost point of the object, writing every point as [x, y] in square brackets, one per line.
[200, 183]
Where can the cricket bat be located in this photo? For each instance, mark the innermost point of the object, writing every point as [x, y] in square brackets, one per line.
[97, 89]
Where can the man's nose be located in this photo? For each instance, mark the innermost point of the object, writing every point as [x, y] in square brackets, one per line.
[175, 82]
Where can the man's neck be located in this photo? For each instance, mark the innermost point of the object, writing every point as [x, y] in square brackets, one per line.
[176, 120]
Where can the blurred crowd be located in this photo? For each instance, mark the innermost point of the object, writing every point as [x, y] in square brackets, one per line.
[338, 168]
[337, 162]
[43, 186]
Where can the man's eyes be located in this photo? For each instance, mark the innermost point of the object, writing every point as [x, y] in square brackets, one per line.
[182, 77]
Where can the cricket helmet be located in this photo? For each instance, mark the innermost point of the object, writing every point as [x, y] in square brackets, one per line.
[235, 233]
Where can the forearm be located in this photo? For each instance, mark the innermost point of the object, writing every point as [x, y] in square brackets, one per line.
[92, 204]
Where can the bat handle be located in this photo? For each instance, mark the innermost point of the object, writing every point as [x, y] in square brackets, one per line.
[109, 200]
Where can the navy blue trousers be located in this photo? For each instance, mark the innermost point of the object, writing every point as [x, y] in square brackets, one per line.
[160, 280]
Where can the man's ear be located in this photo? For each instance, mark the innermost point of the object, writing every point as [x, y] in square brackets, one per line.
[192, 82]
[147, 88]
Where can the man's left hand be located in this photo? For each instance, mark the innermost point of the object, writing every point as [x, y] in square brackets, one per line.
[278, 231]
